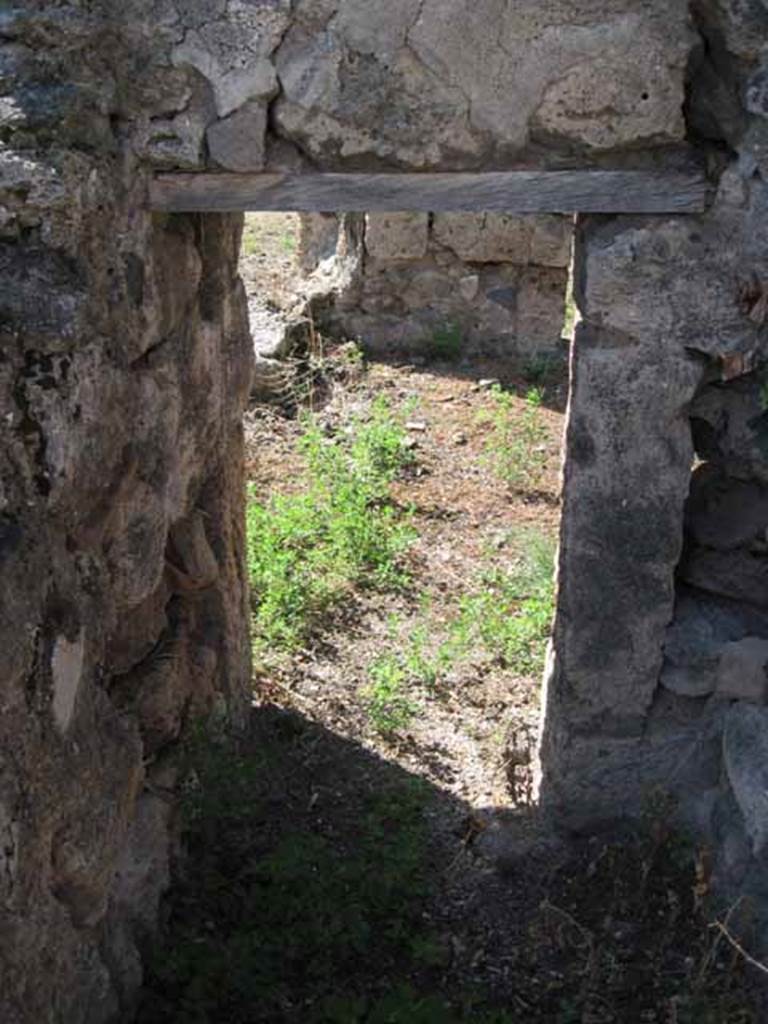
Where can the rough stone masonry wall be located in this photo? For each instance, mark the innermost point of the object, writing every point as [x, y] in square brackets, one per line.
[450, 283]
[124, 365]
[413, 84]
[658, 676]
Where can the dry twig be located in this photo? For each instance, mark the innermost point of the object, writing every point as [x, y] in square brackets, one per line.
[723, 929]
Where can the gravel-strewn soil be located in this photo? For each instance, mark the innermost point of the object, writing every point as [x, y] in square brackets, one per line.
[465, 518]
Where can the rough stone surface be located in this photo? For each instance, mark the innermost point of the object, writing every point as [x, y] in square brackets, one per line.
[697, 680]
[662, 597]
[502, 238]
[741, 575]
[729, 427]
[640, 354]
[237, 142]
[745, 749]
[704, 626]
[318, 240]
[124, 366]
[425, 83]
[741, 673]
[396, 236]
[458, 284]
[232, 50]
[725, 514]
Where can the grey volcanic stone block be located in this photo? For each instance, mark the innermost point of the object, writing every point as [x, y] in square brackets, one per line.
[659, 318]
[397, 236]
[689, 680]
[745, 749]
[724, 513]
[740, 574]
[741, 672]
[431, 82]
[237, 143]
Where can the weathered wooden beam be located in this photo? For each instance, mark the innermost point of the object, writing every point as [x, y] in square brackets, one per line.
[503, 191]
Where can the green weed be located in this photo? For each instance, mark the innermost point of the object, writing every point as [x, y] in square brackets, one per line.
[424, 663]
[569, 322]
[517, 446]
[506, 615]
[393, 674]
[571, 312]
[446, 342]
[389, 707]
[288, 913]
[264, 234]
[352, 353]
[271, 924]
[543, 368]
[510, 612]
[306, 549]
[251, 243]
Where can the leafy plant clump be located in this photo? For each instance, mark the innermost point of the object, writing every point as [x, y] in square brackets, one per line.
[511, 612]
[278, 920]
[517, 446]
[543, 369]
[306, 896]
[307, 548]
[506, 616]
[389, 707]
[446, 342]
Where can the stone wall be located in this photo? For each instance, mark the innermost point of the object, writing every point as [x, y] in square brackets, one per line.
[657, 681]
[411, 84]
[125, 363]
[124, 367]
[448, 284]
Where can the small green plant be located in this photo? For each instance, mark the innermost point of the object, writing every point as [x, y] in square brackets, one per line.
[539, 367]
[425, 665]
[352, 353]
[306, 549]
[571, 313]
[392, 674]
[274, 921]
[517, 446]
[510, 612]
[446, 342]
[389, 707]
[294, 911]
[506, 614]
[267, 233]
[251, 243]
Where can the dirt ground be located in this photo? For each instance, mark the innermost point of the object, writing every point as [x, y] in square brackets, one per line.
[268, 262]
[606, 929]
[464, 518]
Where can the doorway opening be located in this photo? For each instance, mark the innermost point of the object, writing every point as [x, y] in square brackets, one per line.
[403, 456]
[372, 850]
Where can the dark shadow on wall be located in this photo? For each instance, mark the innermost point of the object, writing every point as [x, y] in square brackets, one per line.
[321, 883]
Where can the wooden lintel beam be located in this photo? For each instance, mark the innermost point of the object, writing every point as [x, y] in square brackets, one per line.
[502, 191]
